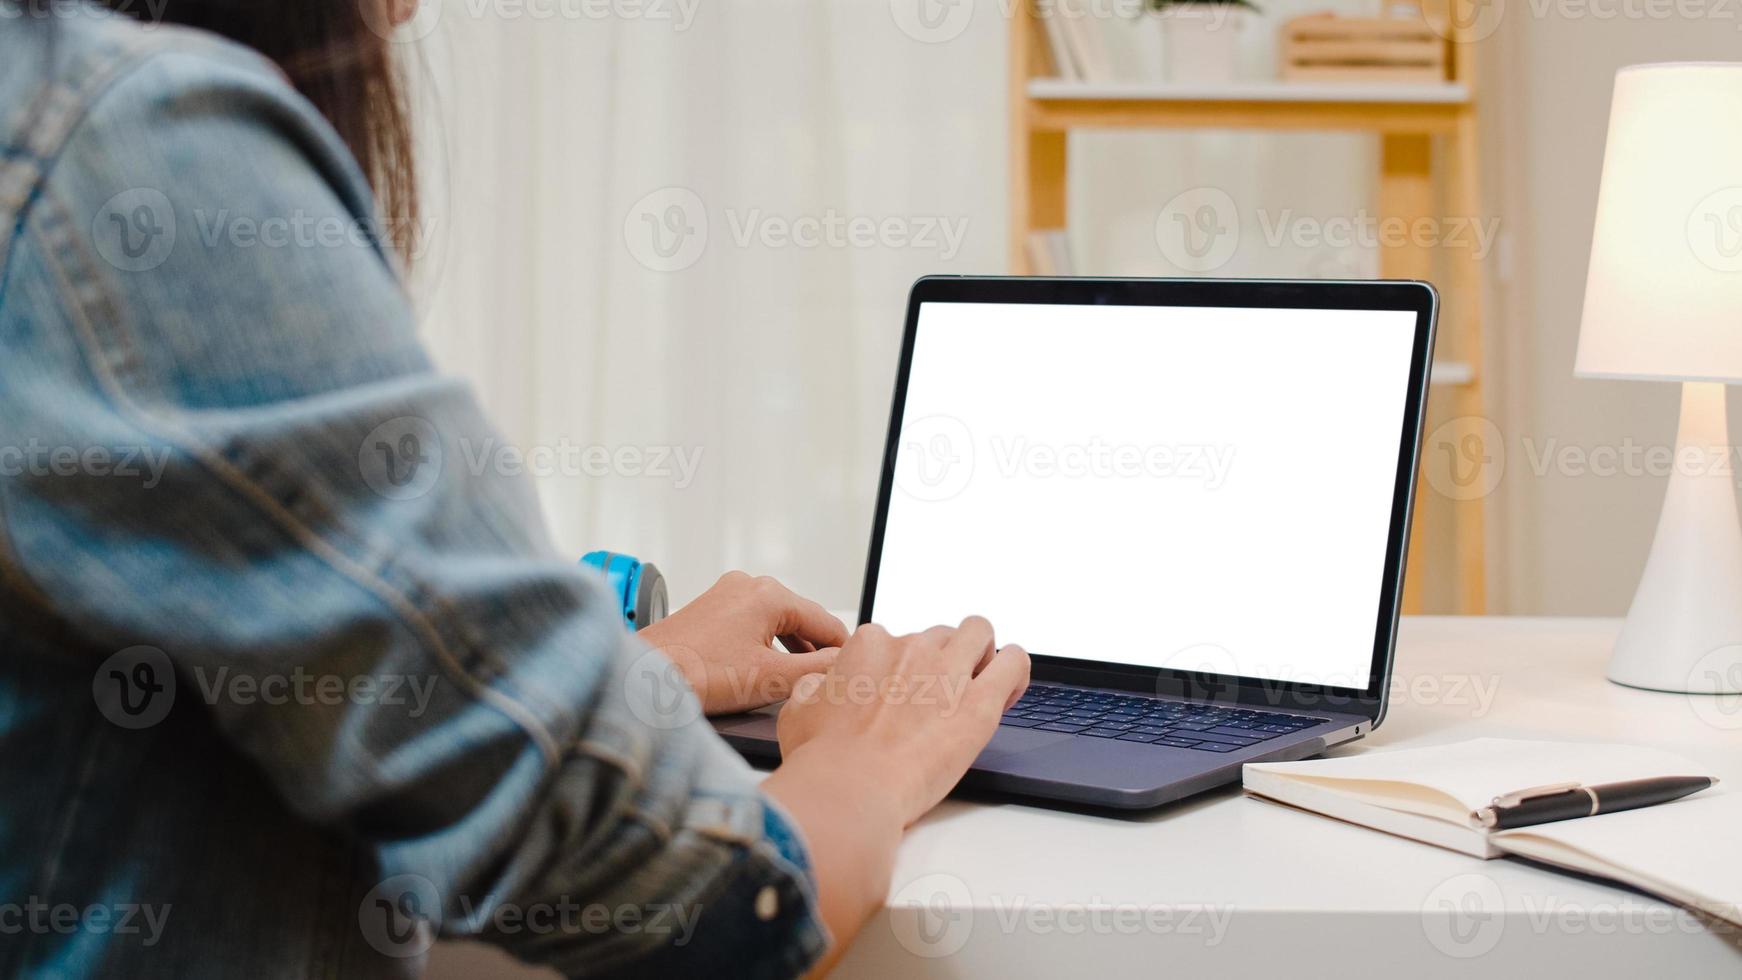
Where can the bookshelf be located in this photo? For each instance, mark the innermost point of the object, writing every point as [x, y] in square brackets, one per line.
[1351, 93]
[1410, 120]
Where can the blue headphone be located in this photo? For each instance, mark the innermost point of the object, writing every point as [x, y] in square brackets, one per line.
[637, 585]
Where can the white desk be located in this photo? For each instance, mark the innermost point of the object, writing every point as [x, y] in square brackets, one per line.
[1226, 886]
[1222, 886]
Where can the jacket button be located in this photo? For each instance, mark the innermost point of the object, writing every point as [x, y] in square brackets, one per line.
[767, 903]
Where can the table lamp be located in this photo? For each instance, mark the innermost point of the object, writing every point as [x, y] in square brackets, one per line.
[1663, 302]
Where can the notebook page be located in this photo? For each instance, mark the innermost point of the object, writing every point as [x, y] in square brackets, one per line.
[1475, 771]
[1688, 850]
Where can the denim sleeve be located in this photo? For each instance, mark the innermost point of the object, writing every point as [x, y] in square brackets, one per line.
[308, 537]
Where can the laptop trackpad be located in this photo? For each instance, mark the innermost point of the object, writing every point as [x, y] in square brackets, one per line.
[1009, 742]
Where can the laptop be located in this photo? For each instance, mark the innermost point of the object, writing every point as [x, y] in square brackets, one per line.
[1188, 499]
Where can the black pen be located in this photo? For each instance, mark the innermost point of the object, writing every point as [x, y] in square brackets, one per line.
[1565, 801]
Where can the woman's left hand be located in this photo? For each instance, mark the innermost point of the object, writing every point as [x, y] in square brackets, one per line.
[723, 642]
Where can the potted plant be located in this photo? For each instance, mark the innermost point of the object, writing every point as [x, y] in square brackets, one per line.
[1199, 37]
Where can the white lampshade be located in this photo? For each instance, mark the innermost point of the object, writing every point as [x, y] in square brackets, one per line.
[1663, 300]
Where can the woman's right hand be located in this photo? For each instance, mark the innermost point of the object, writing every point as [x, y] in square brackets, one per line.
[869, 747]
[907, 713]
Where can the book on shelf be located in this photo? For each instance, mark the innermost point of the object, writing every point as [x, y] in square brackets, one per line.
[1097, 43]
[1064, 64]
[1077, 39]
[1088, 34]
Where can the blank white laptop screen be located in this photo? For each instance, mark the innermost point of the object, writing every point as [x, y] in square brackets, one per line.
[1205, 489]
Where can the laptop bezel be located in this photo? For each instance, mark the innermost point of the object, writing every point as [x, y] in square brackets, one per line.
[1417, 297]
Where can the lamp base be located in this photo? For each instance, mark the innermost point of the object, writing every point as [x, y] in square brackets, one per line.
[1684, 631]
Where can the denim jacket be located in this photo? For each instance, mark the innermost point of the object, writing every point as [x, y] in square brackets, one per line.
[286, 688]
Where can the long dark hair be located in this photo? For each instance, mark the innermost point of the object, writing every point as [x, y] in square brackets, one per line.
[339, 55]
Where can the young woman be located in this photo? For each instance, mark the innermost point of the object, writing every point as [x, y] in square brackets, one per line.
[280, 693]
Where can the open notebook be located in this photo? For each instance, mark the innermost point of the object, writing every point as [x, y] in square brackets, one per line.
[1688, 851]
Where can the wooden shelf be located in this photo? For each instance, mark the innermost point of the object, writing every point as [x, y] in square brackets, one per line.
[1056, 104]
[1428, 165]
[1352, 93]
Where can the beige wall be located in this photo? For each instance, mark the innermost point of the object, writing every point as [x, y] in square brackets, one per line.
[873, 122]
[1564, 542]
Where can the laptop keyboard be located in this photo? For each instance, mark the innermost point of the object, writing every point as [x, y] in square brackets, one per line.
[1152, 721]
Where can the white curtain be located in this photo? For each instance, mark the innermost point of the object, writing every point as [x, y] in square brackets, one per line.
[681, 235]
